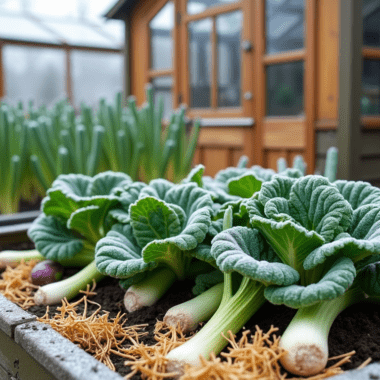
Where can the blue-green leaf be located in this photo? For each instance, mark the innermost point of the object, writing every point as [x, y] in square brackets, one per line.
[358, 193]
[243, 250]
[333, 284]
[262, 173]
[157, 188]
[362, 239]
[317, 205]
[206, 281]
[368, 276]
[152, 219]
[89, 220]
[224, 175]
[244, 186]
[195, 175]
[118, 255]
[53, 240]
[104, 183]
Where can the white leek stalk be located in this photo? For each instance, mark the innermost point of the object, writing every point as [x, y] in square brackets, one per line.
[13, 258]
[148, 291]
[199, 309]
[230, 316]
[53, 293]
[306, 337]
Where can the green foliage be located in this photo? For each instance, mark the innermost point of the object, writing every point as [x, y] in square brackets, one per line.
[42, 144]
[166, 223]
[75, 214]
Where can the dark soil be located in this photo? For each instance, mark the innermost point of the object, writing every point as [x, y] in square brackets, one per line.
[357, 328]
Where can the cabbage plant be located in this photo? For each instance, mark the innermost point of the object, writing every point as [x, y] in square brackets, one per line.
[157, 241]
[289, 218]
[74, 219]
[355, 254]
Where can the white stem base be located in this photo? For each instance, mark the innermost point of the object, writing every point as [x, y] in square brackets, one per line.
[307, 350]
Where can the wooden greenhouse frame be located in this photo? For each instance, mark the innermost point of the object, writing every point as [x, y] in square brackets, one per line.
[229, 133]
[61, 45]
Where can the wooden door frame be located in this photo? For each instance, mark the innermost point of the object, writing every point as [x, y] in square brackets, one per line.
[262, 60]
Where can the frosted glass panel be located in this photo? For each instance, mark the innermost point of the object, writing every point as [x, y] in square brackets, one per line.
[228, 29]
[285, 89]
[17, 27]
[161, 40]
[162, 87]
[35, 74]
[284, 21]
[80, 34]
[200, 63]
[96, 75]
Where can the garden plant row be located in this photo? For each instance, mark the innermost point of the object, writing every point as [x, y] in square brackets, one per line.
[247, 236]
[37, 145]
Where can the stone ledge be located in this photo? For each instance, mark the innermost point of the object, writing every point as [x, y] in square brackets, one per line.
[12, 315]
[59, 356]
[371, 372]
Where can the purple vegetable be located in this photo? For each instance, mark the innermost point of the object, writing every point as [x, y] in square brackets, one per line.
[46, 272]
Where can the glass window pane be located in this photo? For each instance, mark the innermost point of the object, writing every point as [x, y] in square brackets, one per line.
[371, 23]
[96, 75]
[284, 25]
[161, 41]
[75, 33]
[228, 29]
[17, 27]
[370, 101]
[36, 74]
[198, 6]
[285, 89]
[162, 87]
[200, 63]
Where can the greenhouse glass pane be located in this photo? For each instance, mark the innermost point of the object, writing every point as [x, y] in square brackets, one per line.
[96, 75]
[198, 6]
[285, 27]
[285, 89]
[162, 87]
[228, 29]
[370, 101]
[161, 41]
[200, 63]
[371, 23]
[36, 74]
[80, 34]
[17, 27]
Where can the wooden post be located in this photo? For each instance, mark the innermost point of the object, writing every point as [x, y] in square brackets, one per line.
[350, 89]
[69, 79]
[126, 55]
[2, 89]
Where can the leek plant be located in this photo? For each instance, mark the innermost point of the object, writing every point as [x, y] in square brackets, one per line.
[13, 160]
[41, 144]
[160, 147]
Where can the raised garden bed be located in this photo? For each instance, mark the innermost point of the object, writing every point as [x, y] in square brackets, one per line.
[33, 350]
